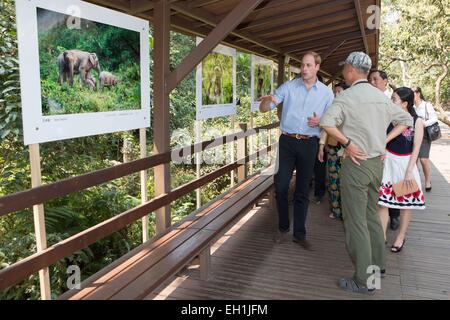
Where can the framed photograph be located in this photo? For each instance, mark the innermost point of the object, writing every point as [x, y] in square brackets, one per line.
[84, 70]
[216, 83]
[261, 80]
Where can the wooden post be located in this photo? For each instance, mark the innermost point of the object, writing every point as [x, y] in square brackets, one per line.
[231, 148]
[242, 153]
[198, 159]
[269, 138]
[161, 106]
[251, 144]
[39, 220]
[144, 191]
[205, 263]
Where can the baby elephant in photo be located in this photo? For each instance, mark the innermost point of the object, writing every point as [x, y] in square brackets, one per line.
[107, 79]
[91, 83]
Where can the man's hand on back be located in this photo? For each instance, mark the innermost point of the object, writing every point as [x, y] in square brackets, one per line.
[314, 120]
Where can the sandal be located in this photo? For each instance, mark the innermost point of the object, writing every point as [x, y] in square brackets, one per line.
[396, 249]
[349, 284]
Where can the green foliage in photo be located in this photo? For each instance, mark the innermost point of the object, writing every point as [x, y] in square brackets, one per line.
[118, 52]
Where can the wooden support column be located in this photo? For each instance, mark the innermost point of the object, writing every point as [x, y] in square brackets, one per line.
[242, 153]
[280, 80]
[362, 26]
[161, 106]
[39, 220]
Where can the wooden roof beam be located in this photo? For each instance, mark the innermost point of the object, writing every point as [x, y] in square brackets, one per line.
[212, 20]
[332, 48]
[345, 17]
[315, 42]
[219, 33]
[361, 24]
[304, 11]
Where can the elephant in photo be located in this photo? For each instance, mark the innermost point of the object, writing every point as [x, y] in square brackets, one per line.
[72, 62]
[107, 79]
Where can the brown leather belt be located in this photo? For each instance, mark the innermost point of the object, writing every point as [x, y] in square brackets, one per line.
[298, 136]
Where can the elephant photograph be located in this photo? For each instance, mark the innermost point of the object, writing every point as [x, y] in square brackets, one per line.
[87, 67]
[262, 80]
[217, 79]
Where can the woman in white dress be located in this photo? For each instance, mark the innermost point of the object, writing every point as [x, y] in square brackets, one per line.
[425, 110]
[400, 165]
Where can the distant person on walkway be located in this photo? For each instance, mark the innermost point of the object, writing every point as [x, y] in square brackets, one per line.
[304, 100]
[379, 79]
[400, 165]
[358, 119]
[425, 110]
[333, 161]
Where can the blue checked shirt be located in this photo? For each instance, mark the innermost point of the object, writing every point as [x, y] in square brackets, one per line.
[299, 104]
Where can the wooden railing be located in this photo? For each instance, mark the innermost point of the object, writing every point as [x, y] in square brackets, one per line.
[25, 199]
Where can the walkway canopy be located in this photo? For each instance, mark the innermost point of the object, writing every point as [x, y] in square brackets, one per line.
[274, 28]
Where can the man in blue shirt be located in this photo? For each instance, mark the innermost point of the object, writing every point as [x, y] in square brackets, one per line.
[304, 101]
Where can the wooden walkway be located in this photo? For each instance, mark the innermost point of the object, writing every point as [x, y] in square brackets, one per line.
[247, 264]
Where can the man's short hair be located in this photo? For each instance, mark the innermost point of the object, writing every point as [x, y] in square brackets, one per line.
[382, 74]
[317, 58]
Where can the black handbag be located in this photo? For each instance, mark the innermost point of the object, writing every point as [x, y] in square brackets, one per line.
[433, 131]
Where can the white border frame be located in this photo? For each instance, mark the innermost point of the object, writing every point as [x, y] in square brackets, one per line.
[259, 60]
[38, 128]
[215, 110]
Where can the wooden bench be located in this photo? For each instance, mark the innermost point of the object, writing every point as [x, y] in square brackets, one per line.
[142, 270]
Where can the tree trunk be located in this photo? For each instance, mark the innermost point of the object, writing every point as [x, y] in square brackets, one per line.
[437, 105]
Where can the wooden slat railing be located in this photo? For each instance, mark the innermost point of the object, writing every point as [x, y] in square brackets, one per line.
[42, 194]
[21, 269]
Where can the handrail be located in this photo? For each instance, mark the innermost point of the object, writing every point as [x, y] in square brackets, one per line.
[23, 268]
[28, 198]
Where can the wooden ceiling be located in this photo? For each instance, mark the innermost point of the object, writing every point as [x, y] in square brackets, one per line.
[333, 28]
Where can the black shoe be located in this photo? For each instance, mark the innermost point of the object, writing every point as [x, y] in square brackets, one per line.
[302, 242]
[395, 249]
[428, 189]
[395, 223]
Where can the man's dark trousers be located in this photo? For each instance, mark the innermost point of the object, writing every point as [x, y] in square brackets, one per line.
[299, 154]
[394, 214]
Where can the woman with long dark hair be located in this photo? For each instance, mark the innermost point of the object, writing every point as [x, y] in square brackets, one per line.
[425, 110]
[400, 165]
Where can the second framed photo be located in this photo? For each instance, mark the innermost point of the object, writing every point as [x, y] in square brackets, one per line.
[216, 83]
[261, 80]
